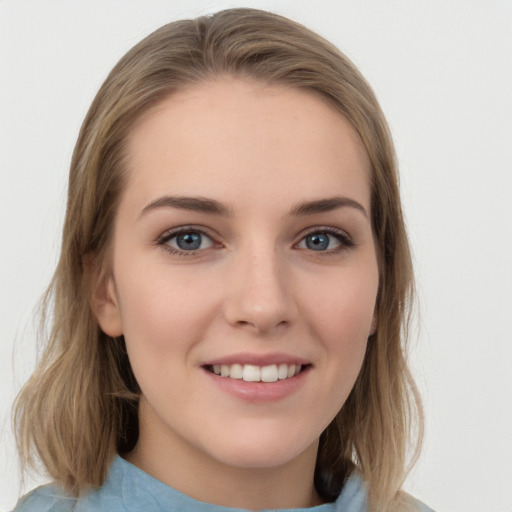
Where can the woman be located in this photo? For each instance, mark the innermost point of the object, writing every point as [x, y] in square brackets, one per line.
[230, 306]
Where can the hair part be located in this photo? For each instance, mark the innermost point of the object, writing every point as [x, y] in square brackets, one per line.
[80, 405]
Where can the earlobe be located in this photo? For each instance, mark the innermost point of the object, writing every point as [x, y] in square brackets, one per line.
[106, 308]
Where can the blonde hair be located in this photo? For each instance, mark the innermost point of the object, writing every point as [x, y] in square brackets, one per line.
[80, 405]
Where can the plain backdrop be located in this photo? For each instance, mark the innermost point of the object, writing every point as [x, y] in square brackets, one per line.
[442, 70]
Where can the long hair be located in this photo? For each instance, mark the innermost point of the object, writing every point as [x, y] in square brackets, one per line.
[80, 406]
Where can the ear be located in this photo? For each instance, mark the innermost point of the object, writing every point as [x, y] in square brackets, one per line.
[374, 324]
[105, 305]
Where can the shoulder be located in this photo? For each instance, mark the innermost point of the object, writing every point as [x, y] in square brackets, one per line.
[52, 498]
[354, 497]
[47, 498]
[110, 497]
[420, 506]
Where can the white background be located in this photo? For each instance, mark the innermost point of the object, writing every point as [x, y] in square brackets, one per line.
[443, 72]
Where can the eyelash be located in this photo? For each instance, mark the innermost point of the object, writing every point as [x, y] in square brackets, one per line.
[345, 241]
[342, 237]
[163, 240]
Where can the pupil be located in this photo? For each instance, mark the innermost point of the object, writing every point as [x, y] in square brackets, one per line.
[189, 241]
[317, 242]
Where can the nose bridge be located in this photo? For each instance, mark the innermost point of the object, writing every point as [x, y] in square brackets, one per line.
[259, 295]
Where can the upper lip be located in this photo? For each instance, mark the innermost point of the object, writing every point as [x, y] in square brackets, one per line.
[257, 359]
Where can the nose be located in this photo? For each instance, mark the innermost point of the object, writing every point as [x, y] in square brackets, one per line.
[259, 293]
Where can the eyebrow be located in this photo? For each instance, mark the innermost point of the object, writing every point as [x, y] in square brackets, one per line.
[197, 204]
[213, 207]
[326, 205]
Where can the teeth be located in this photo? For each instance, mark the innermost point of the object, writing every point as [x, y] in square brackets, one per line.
[269, 373]
[253, 373]
[282, 373]
[236, 371]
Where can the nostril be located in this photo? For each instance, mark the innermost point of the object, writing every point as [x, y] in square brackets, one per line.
[262, 325]
[257, 296]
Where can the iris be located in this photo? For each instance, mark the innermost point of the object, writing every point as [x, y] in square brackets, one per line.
[317, 241]
[189, 241]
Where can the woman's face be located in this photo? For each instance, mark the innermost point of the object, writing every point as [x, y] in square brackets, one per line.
[244, 272]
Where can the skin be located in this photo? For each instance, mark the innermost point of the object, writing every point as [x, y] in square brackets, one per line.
[253, 287]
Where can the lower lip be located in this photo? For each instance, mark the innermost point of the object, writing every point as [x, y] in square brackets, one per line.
[259, 391]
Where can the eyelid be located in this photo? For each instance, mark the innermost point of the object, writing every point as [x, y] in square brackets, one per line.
[345, 240]
[167, 235]
[342, 236]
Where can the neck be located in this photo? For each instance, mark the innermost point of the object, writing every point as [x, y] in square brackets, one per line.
[187, 469]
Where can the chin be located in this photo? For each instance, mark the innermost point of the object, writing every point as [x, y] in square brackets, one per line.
[264, 453]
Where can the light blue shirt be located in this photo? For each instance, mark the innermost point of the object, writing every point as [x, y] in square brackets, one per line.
[129, 489]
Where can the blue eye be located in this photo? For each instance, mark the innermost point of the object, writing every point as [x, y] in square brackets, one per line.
[325, 241]
[189, 241]
[318, 241]
[186, 241]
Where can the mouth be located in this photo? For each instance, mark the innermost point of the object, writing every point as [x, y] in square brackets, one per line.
[254, 373]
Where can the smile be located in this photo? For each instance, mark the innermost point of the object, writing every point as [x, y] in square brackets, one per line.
[254, 373]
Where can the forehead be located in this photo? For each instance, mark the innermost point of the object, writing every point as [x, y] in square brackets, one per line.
[246, 136]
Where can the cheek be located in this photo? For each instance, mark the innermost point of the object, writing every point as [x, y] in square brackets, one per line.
[342, 315]
[344, 307]
[161, 326]
[163, 311]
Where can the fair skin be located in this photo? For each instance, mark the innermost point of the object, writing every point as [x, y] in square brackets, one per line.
[242, 246]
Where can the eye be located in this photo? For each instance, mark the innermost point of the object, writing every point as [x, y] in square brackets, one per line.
[325, 240]
[185, 240]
